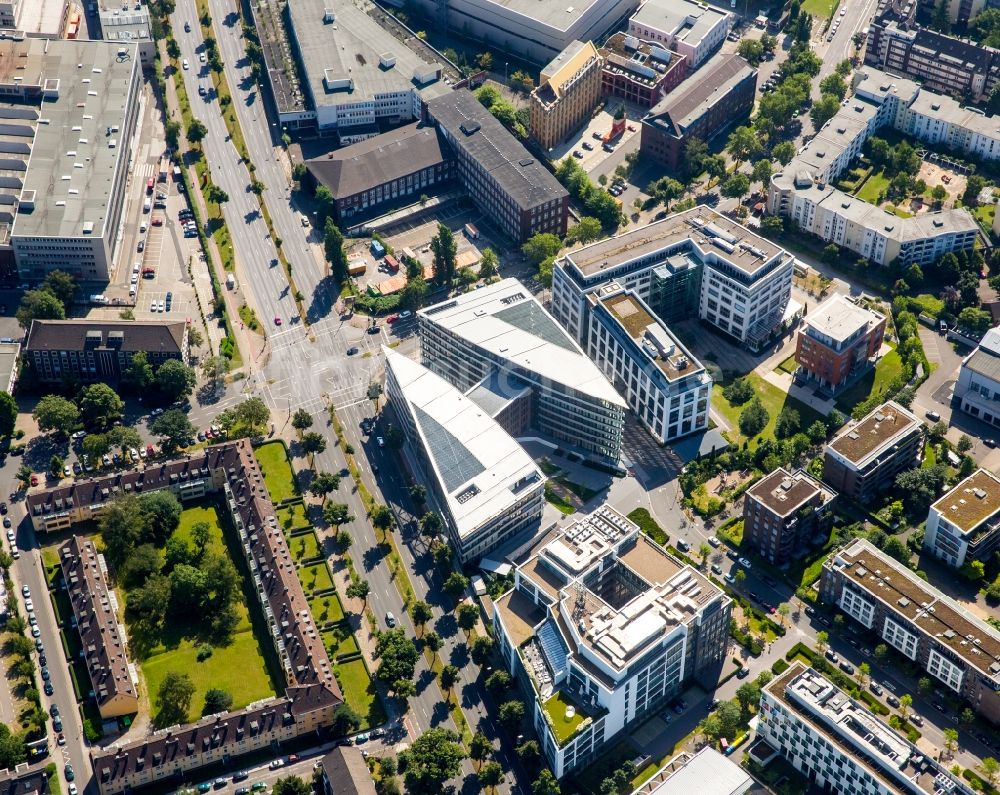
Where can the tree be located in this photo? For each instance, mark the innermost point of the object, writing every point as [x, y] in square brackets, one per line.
[418, 494]
[989, 765]
[783, 610]
[313, 442]
[217, 700]
[833, 84]
[978, 321]
[382, 518]
[448, 677]
[966, 717]
[546, 784]
[253, 414]
[905, 702]
[359, 590]
[489, 264]
[433, 642]
[173, 428]
[748, 695]
[39, 305]
[334, 250]
[100, 405]
[824, 110]
[345, 720]
[924, 685]
[787, 424]
[434, 757]
[431, 524]
[761, 172]
[216, 195]
[175, 379]
[301, 420]
[665, 190]
[196, 133]
[784, 152]
[456, 584]
[173, 698]
[481, 649]
[397, 655]
[499, 682]
[139, 373]
[323, 483]
[743, 144]
[881, 653]
[336, 514]
[445, 252]
[863, 673]
[738, 391]
[467, 615]
[511, 715]
[480, 747]
[421, 613]
[938, 192]
[587, 231]
[491, 775]
[973, 187]
[921, 486]
[55, 413]
[950, 741]
[8, 414]
[291, 785]
[737, 186]
[751, 50]
[822, 640]
[753, 418]
[484, 61]
[704, 550]
[161, 515]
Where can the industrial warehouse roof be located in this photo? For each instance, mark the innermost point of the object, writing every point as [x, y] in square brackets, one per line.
[380, 160]
[707, 772]
[476, 131]
[506, 321]
[482, 471]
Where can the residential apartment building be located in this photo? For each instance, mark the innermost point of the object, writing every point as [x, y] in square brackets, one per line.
[601, 629]
[639, 72]
[785, 514]
[345, 772]
[70, 141]
[949, 642]
[865, 457]
[113, 680]
[837, 343]
[837, 744]
[803, 190]
[693, 29]
[488, 489]
[24, 780]
[666, 387]
[721, 97]
[569, 88]
[977, 389]
[63, 351]
[500, 333]
[740, 282]
[958, 67]
[390, 170]
[964, 524]
[518, 193]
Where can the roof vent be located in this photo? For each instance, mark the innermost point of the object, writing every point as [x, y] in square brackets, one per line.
[470, 127]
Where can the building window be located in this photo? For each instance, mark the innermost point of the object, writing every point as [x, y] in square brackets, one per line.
[861, 610]
[945, 670]
[899, 638]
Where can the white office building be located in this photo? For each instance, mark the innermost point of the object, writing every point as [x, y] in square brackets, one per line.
[978, 387]
[840, 746]
[602, 628]
[688, 27]
[489, 490]
[740, 282]
[501, 339]
[964, 524]
[666, 387]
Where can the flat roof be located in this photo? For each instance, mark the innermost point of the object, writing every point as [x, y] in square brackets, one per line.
[707, 773]
[926, 608]
[476, 131]
[42, 17]
[783, 492]
[688, 20]
[74, 159]
[705, 229]
[9, 354]
[862, 440]
[559, 16]
[972, 501]
[520, 616]
[349, 48]
[506, 320]
[679, 109]
[985, 359]
[482, 471]
[840, 318]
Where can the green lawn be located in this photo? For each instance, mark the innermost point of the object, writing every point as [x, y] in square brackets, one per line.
[293, 517]
[873, 187]
[277, 471]
[886, 370]
[788, 366]
[238, 668]
[359, 692]
[203, 513]
[316, 577]
[821, 9]
[562, 727]
[339, 640]
[774, 401]
[304, 546]
[324, 614]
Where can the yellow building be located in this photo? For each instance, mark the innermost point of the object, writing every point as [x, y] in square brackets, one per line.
[569, 89]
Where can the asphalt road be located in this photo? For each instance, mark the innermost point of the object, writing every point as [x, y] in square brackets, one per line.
[256, 256]
[859, 16]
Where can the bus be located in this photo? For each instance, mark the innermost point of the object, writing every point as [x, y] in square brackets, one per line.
[149, 185]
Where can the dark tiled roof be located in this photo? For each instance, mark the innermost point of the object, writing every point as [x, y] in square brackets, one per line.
[153, 336]
[378, 161]
[472, 128]
[26, 782]
[347, 772]
[679, 109]
[101, 637]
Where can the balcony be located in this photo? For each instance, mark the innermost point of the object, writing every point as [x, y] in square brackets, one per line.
[564, 716]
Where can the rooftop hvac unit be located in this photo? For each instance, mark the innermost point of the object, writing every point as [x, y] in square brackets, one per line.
[387, 60]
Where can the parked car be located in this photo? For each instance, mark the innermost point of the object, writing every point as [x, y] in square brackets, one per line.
[716, 568]
[933, 416]
[891, 700]
[876, 688]
[715, 542]
[846, 667]
[831, 655]
[916, 719]
[746, 564]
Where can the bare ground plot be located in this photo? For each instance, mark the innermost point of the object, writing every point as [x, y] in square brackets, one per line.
[936, 175]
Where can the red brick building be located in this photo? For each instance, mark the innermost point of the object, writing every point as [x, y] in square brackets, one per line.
[837, 343]
[638, 71]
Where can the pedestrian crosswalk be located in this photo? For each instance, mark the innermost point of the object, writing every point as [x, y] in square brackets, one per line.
[144, 171]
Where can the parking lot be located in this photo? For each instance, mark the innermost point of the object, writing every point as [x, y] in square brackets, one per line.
[600, 125]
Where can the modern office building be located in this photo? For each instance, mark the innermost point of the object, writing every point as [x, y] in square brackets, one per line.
[10, 13]
[666, 387]
[93, 350]
[501, 330]
[740, 282]
[128, 23]
[488, 489]
[723, 95]
[958, 67]
[114, 681]
[706, 772]
[390, 170]
[569, 88]
[534, 30]
[693, 29]
[803, 190]
[837, 744]
[785, 514]
[977, 389]
[602, 628]
[640, 72]
[865, 457]
[964, 524]
[837, 343]
[70, 111]
[509, 185]
[360, 75]
[952, 644]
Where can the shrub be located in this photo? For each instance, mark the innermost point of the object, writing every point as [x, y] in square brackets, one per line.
[779, 667]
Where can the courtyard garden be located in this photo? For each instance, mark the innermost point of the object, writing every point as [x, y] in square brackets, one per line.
[277, 471]
[772, 399]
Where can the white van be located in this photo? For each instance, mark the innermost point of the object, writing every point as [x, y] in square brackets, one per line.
[146, 205]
